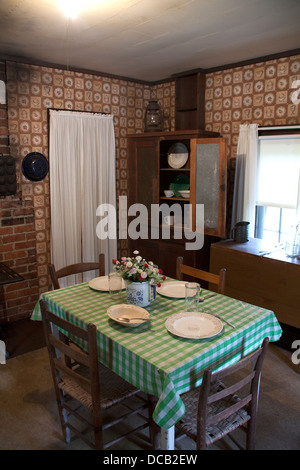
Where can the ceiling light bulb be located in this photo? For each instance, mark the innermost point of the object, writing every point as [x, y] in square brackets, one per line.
[71, 8]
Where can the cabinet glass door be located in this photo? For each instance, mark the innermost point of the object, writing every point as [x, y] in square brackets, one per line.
[208, 184]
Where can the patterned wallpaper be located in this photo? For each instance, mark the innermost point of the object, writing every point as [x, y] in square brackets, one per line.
[31, 90]
[259, 93]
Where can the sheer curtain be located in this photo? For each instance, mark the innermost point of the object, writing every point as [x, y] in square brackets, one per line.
[82, 176]
[244, 194]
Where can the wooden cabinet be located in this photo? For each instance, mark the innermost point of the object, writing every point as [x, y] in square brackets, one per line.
[150, 174]
[261, 276]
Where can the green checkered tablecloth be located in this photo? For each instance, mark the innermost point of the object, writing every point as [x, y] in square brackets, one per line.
[151, 358]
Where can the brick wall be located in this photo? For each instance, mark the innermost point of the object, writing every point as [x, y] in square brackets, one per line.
[17, 240]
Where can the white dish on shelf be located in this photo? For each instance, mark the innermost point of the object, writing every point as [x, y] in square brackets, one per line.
[178, 155]
[130, 311]
[177, 160]
[185, 194]
[194, 325]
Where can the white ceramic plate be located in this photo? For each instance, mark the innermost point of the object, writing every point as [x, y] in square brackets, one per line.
[194, 325]
[175, 289]
[177, 155]
[130, 311]
[101, 283]
[177, 160]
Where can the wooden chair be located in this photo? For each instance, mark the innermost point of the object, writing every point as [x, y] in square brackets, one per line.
[217, 279]
[76, 268]
[213, 410]
[90, 383]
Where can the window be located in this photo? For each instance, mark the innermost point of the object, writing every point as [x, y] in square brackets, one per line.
[278, 187]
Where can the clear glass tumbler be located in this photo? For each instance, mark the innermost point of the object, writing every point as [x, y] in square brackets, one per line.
[192, 296]
[115, 285]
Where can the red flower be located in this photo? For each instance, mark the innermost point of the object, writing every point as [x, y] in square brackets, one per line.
[160, 271]
[159, 284]
[164, 278]
[114, 261]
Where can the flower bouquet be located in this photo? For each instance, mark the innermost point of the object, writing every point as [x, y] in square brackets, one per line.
[137, 269]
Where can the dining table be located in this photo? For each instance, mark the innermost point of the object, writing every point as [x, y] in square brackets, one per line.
[153, 356]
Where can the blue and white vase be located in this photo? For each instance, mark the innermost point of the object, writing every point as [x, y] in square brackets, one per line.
[140, 293]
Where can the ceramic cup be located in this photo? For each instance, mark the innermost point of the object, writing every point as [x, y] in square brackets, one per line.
[168, 193]
[192, 296]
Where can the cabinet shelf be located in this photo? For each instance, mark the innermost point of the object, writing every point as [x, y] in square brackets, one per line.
[175, 169]
[175, 198]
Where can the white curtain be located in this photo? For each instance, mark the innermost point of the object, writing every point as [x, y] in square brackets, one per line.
[82, 176]
[244, 195]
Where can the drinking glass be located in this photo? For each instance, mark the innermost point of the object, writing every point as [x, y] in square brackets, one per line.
[192, 296]
[115, 285]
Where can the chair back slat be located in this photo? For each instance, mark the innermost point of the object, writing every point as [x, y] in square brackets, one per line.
[217, 418]
[68, 351]
[231, 390]
[216, 279]
[76, 268]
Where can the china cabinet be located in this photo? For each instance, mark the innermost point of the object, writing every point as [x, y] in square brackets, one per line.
[190, 160]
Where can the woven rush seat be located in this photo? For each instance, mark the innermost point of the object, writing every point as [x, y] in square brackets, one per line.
[188, 423]
[113, 388]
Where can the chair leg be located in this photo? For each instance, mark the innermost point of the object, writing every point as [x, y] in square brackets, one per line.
[250, 439]
[66, 429]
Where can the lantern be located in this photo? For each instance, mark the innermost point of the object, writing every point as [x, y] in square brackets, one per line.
[153, 117]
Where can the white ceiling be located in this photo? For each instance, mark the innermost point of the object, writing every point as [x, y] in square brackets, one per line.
[148, 39]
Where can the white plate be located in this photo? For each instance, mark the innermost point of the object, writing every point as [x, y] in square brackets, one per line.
[130, 311]
[178, 155]
[174, 289]
[177, 160]
[194, 325]
[101, 283]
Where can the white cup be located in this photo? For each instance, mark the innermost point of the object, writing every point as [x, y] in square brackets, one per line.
[169, 219]
[169, 193]
[192, 296]
[115, 285]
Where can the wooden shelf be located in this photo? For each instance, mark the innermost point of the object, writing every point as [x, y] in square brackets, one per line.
[175, 169]
[175, 198]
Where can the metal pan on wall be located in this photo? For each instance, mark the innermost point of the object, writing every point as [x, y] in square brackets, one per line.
[35, 166]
